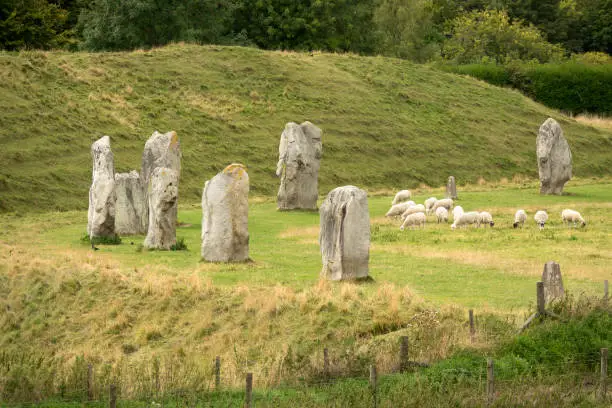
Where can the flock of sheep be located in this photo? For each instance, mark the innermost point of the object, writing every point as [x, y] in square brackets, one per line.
[415, 215]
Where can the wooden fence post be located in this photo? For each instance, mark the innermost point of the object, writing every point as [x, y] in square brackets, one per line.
[89, 382]
[248, 400]
[113, 396]
[604, 373]
[541, 301]
[217, 373]
[325, 362]
[472, 328]
[490, 382]
[373, 385]
[403, 357]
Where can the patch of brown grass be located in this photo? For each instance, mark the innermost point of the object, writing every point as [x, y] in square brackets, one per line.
[595, 121]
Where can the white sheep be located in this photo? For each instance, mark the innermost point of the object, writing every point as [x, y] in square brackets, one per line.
[571, 216]
[457, 211]
[442, 215]
[429, 203]
[540, 218]
[485, 218]
[413, 209]
[472, 217]
[446, 203]
[401, 196]
[414, 220]
[398, 209]
[519, 218]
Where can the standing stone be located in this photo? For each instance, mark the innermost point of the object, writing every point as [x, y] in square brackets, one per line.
[299, 153]
[451, 188]
[225, 216]
[101, 212]
[553, 283]
[131, 208]
[554, 158]
[161, 150]
[345, 234]
[163, 203]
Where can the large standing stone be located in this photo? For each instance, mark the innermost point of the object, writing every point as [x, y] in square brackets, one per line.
[451, 188]
[101, 212]
[131, 209]
[161, 150]
[163, 202]
[553, 283]
[345, 234]
[225, 216]
[554, 158]
[300, 153]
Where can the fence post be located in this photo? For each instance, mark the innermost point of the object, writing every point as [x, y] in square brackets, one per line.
[89, 382]
[217, 373]
[248, 400]
[541, 301]
[403, 357]
[472, 328]
[604, 373]
[325, 362]
[373, 385]
[606, 296]
[113, 396]
[490, 382]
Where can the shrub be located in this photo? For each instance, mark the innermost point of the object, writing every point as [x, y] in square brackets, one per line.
[180, 245]
[115, 240]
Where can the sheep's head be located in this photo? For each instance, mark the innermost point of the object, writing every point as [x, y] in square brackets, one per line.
[584, 223]
[515, 225]
[402, 228]
[492, 224]
[453, 226]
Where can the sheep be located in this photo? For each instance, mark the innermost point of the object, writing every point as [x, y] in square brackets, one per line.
[416, 219]
[442, 214]
[414, 209]
[485, 218]
[401, 196]
[446, 203]
[457, 211]
[519, 218]
[540, 218]
[472, 217]
[429, 203]
[398, 209]
[571, 216]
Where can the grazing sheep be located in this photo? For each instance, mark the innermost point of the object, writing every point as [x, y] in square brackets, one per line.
[414, 209]
[414, 220]
[571, 216]
[446, 203]
[401, 196]
[398, 209]
[472, 217]
[442, 215]
[429, 203]
[457, 211]
[540, 218]
[519, 218]
[485, 218]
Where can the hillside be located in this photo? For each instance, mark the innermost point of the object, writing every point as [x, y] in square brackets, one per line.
[387, 123]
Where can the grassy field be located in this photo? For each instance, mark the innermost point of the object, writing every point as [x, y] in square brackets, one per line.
[387, 123]
[123, 307]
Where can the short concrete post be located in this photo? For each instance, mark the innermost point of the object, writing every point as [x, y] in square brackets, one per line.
[403, 357]
[248, 400]
[112, 403]
[604, 373]
[373, 385]
[490, 382]
[541, 299]
[325, 362]
[217, 373]
[472, 328]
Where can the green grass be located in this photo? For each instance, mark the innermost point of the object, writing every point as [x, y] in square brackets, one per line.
[387, 123]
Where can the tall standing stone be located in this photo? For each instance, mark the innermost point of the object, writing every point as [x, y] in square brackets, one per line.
[131, 207]
[163, 203]
[300, 151]
[225, 216]
[161, 150]
[345, 234]
[554, 158]
[451, 188]
[101, 212]
[553, 283]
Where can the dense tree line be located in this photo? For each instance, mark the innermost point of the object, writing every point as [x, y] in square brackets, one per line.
[421, 30]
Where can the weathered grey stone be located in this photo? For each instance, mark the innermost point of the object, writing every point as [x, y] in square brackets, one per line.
[131, 209]
[161, 150]
[299, 151]
[163, 204]
[345, 234]
[451, 188]
[225, 216]
[553, 283]
[101, 212]
[554, 158]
